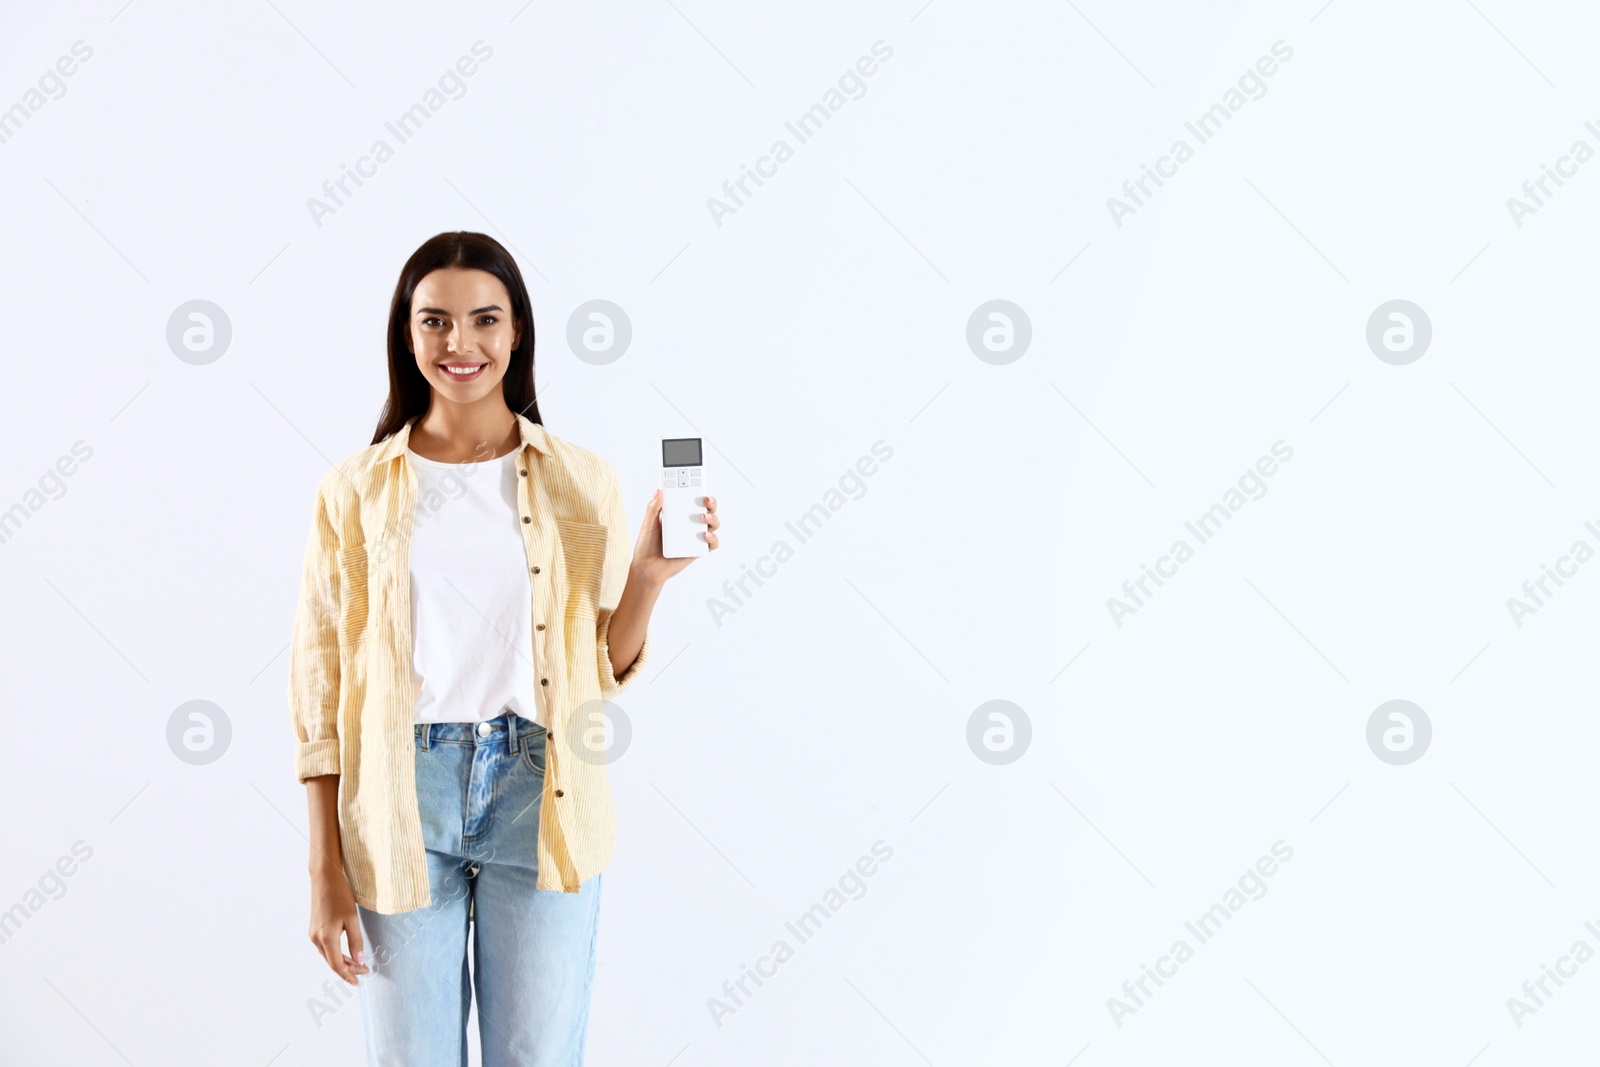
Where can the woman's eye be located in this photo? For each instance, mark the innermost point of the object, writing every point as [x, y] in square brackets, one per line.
[484, 320]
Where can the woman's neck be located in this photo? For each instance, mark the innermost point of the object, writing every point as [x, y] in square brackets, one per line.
[453, 433]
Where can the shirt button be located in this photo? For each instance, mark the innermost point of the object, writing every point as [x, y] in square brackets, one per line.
[525, 518]
[559, 793]
[483, 729]
[544, 681]
[523, 473]
[541, 626]
[536, 570]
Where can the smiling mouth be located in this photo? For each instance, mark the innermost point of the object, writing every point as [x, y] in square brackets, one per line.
[462, 372]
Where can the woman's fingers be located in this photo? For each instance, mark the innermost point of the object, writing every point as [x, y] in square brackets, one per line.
[352, 934]
[327, 942]
[712, 521]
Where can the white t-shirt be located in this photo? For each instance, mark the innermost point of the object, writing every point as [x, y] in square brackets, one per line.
[471, 597]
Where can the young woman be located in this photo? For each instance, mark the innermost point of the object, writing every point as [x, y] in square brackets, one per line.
[469, 603]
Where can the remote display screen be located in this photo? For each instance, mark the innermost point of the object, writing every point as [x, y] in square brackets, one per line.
[681, 452]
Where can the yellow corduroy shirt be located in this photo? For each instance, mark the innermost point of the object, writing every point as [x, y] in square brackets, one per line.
[350, 677]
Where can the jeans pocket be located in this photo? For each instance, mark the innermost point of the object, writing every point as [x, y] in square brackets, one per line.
[531, 747]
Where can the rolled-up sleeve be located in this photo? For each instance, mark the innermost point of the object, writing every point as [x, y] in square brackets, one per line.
[314, 649]
[613, 579]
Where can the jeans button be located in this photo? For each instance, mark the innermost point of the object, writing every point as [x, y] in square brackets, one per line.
[483, 729]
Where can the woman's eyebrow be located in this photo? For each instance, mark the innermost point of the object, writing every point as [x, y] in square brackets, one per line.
[474, 311]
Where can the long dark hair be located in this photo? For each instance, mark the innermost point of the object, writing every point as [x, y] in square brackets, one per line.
[408, 389]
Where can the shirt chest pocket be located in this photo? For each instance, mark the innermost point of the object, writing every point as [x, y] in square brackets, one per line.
[583, 544]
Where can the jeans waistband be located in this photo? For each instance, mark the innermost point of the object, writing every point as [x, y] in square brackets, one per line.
[507, 728]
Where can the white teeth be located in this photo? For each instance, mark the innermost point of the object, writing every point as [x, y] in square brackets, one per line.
[463, 373]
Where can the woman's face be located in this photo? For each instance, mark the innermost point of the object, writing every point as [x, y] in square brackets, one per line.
[462, 332]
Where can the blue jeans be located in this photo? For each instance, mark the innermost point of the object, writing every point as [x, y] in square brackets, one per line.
[478, 791]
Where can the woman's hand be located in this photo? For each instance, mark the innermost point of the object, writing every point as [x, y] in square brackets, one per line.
[333, 912]
[648, 562]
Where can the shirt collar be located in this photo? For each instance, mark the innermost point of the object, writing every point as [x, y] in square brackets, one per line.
[533, 436]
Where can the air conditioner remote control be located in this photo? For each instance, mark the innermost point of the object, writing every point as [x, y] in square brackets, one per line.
[683, 497]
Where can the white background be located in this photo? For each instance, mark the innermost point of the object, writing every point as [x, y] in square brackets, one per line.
[829, 312]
